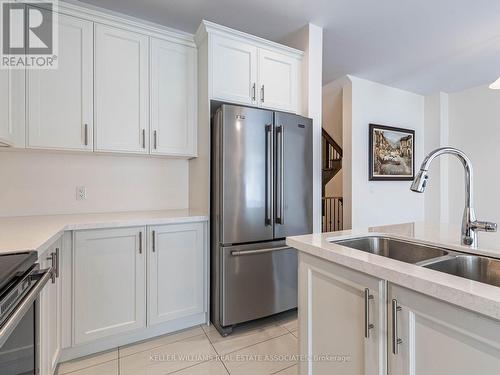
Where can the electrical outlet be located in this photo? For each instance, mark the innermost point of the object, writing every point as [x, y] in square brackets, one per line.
[81, 193]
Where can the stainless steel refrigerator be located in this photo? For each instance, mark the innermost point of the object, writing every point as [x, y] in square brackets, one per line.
[261, 192]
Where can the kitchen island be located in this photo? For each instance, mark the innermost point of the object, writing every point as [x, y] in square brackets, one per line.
[362, 313]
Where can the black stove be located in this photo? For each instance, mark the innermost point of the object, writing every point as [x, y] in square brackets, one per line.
[21, 281]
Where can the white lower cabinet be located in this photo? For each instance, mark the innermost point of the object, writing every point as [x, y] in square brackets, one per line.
[342, 320]
[50, 314]
[136, 282]
[175, 271]
[109, 282]
[434, 337]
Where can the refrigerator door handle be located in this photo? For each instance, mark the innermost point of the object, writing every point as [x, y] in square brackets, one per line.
[269, 173]
[280, 215]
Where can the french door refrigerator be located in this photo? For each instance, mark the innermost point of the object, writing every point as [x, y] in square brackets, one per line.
[261, 192]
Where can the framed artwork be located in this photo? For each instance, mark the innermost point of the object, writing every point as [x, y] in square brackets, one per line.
[391, 153]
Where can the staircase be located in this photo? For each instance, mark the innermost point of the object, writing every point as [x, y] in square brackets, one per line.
[332, 158]
[331, 164]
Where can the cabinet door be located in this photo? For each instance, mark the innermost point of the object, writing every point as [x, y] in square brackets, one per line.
[12, 118]
[121, 90]
[176, 260]
[50, 316]
[108, 282]
[439, 338]
[59, 106]
[278, 81]
[234, 71]
[173, 98]
[342, 316]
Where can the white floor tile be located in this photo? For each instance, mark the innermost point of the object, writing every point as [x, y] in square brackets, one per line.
[294, 370]
[168, 358]
[159, 341]
[214, 367]
[107, 368]
[264, 358]
[88, 361]
[292, 325]
[244, 336]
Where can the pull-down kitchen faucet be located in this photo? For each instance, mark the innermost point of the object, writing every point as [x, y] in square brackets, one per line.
[470, 225]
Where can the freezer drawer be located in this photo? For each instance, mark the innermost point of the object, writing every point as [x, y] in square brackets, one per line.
[258, 281]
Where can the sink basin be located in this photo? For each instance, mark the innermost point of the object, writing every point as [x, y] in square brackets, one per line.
[471, 267]
[404, 251]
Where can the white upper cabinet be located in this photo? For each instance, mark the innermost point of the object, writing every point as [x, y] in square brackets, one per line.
[173, 98]
[59, 105]
[234, 71]
[244, 69]
[12, 121]
[121, 90]
[278, 81]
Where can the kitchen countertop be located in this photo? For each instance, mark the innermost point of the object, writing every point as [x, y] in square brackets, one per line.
[37, 233]
[472, 295]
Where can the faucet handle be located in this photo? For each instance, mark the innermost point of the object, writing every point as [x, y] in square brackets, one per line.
[485, 226]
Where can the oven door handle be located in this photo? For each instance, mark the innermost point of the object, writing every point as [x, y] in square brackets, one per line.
[11, 323]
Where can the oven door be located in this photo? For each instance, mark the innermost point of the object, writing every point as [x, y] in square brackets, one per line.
[19, 341]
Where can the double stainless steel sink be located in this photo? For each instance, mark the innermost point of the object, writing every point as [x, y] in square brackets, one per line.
[472, 267]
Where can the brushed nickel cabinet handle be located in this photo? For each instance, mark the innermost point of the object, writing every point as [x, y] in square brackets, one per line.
[368, 325]
[262, 94]
[395, 339]
[143, 138]
[253, 92]
[57, 261]
[140, 242]
[86, 135]
[154, 241]
[155, 139]
[52, 258]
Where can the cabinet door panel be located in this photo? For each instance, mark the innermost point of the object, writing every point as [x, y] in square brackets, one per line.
[278, 81]
[234, 71]
[173, 98]
[332, 319]
[176, 274]
[50, 317]
[121, 94]
[109, 283]
[440, 338]
[12, 118]
[60, 108]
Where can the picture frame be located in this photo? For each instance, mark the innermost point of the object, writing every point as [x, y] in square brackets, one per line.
[391, 154]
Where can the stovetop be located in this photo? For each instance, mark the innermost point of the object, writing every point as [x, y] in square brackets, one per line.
[14, 265]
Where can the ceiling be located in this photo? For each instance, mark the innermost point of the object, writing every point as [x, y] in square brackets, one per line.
[424, 46]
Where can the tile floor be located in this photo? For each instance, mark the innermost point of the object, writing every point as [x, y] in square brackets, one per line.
[264, 347]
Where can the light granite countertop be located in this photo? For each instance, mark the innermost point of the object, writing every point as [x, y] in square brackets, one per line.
[472, 295]
[37, 233]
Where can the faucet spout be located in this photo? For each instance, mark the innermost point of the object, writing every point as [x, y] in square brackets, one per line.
[470, 225]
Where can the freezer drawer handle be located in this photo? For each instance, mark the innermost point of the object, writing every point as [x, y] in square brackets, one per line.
[238, 253]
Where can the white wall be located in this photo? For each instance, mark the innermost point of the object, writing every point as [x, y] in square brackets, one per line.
[380, 202]
[475, 129]
[436, 120]
[37, 182]
[332, 123]
[310, 40]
